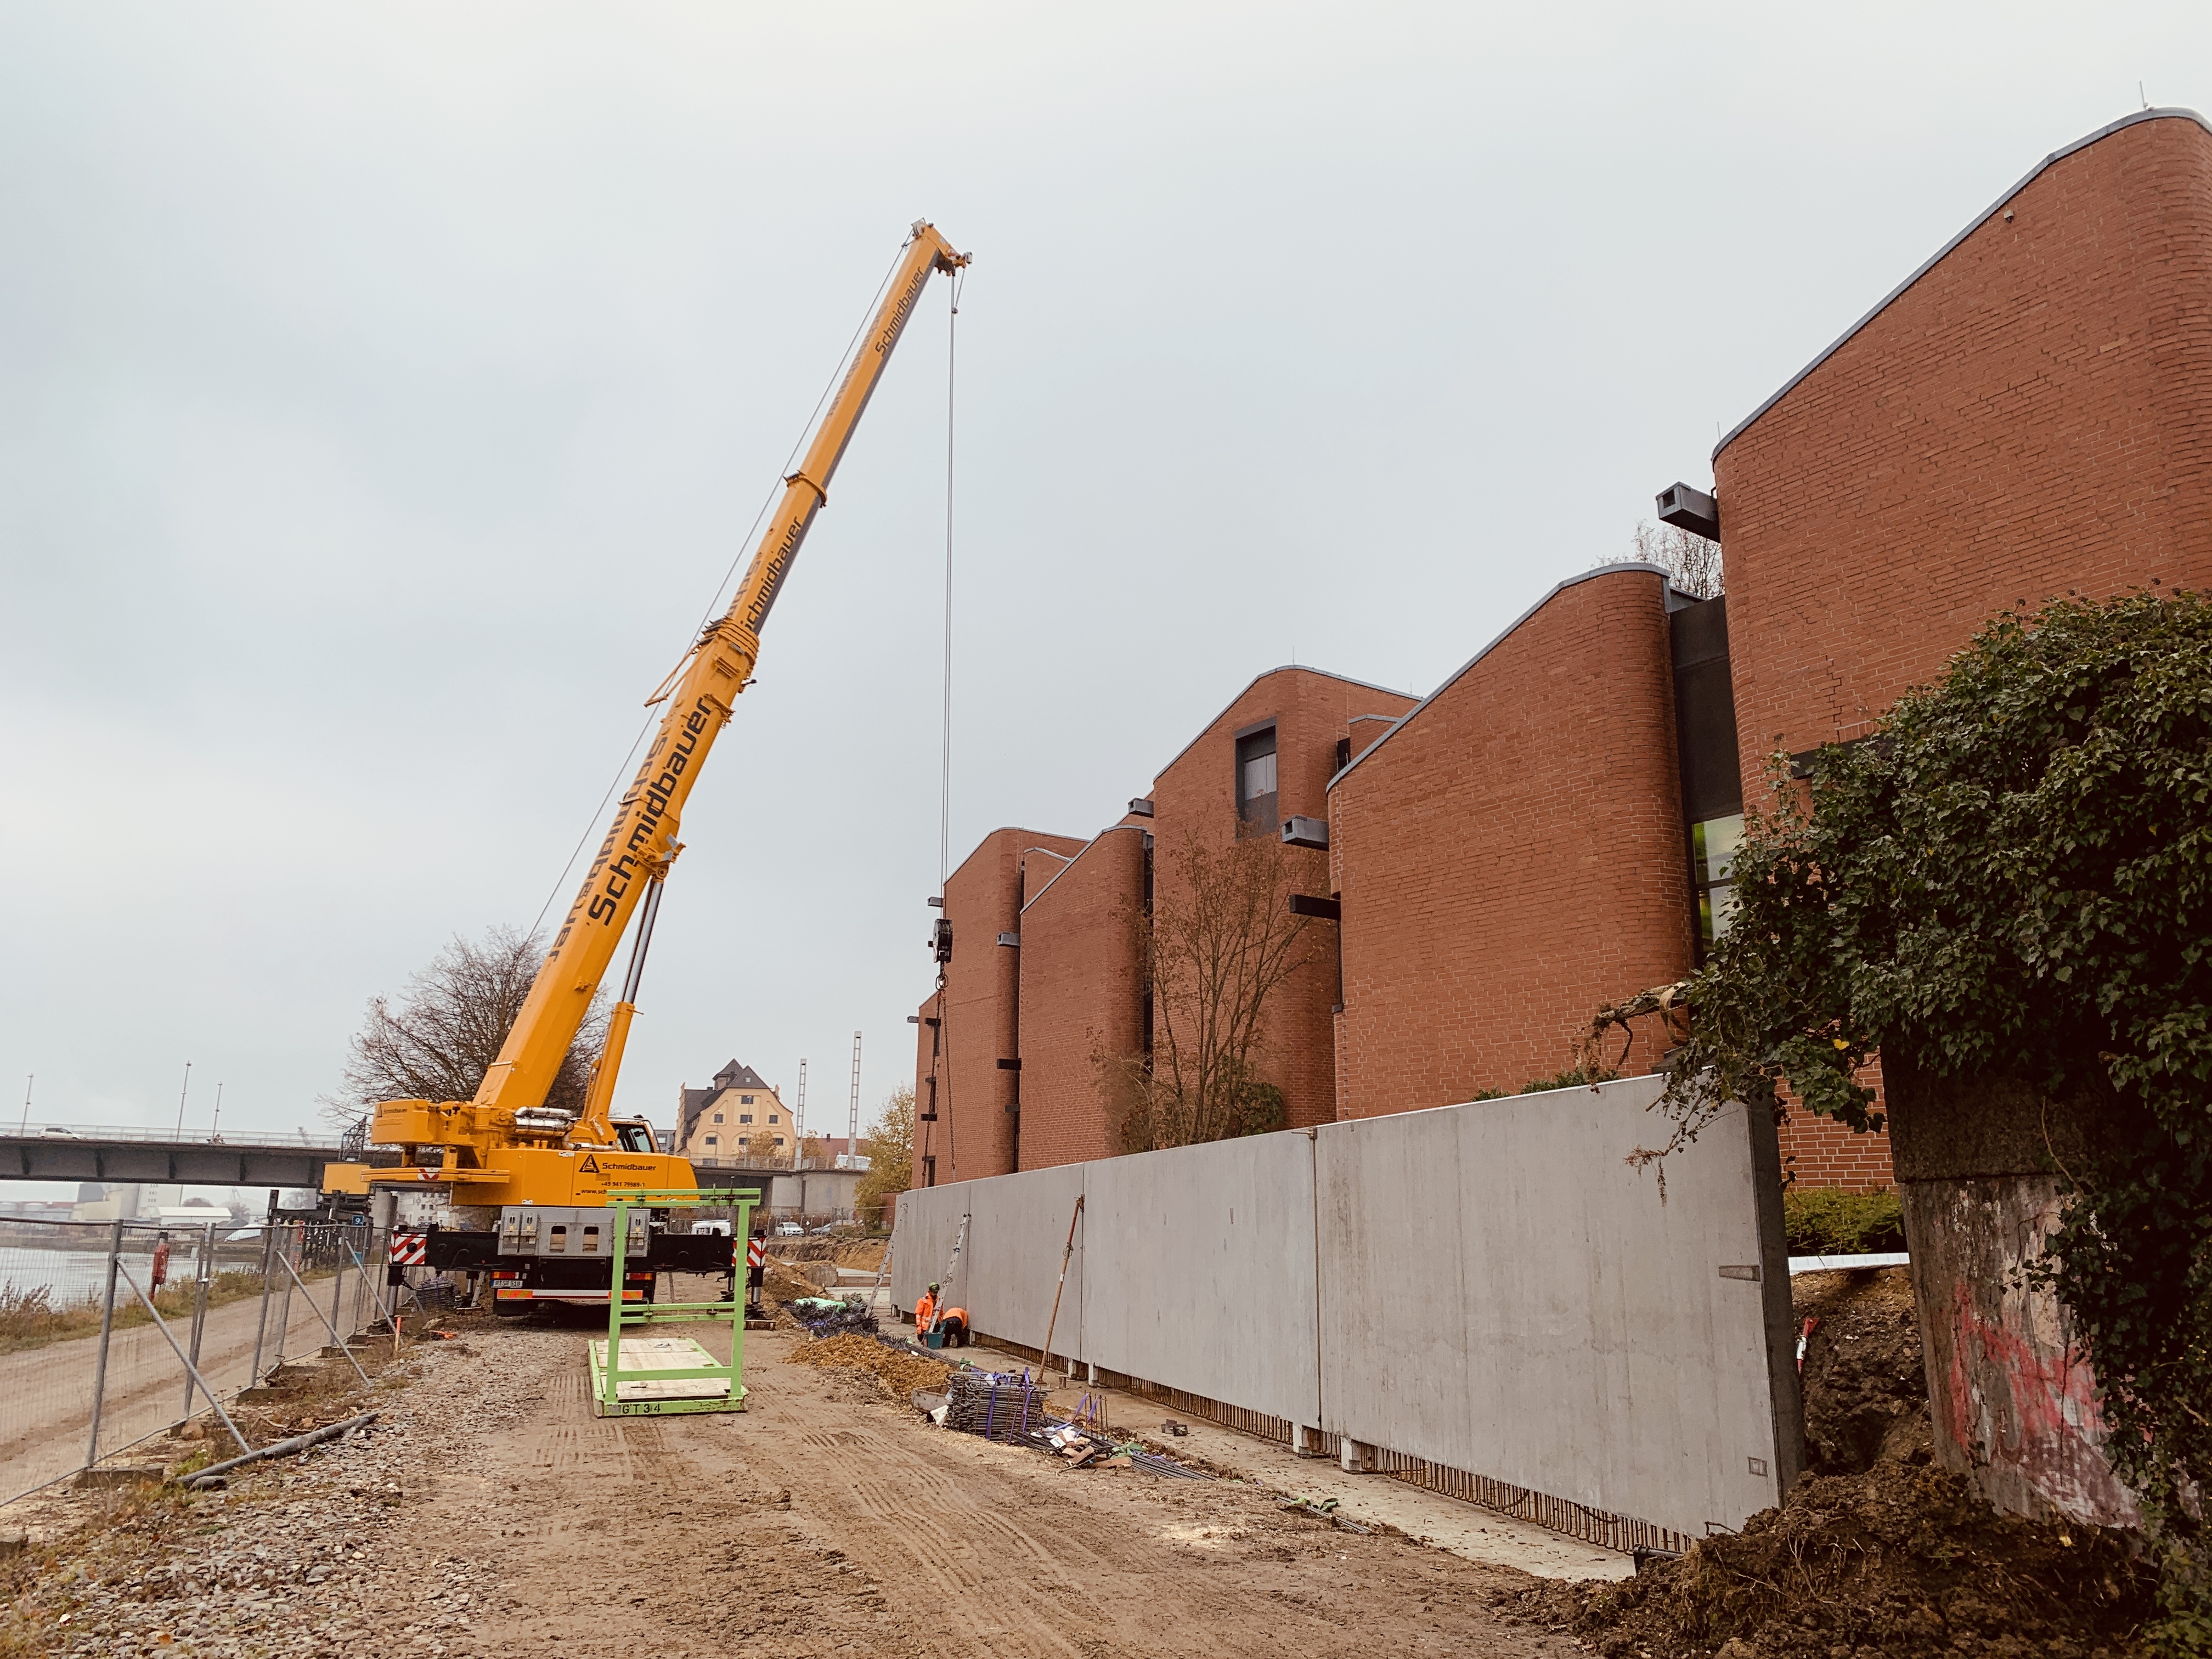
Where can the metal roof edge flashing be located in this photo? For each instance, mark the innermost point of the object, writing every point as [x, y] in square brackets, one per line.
[1071, 859]
[1005, 830]
[1461, 673]
[1280, 668]
[2166, 112]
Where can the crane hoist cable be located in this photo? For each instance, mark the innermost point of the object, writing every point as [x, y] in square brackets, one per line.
[952, 288]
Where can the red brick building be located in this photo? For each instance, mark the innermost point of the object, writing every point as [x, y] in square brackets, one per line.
[966, 1101]
[1503, 857]
[1082, 996]
[2029, 415]
[1263, 761]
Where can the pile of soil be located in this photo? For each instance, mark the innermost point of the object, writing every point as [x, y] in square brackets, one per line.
[845, 1250]
[1903, 1561]
[778, 1285]
[900, 1370]
[1866, 1394]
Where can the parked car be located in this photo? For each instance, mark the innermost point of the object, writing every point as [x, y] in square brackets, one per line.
[789, 1230]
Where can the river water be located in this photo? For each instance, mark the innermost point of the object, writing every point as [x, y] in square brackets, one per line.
[70, 1274]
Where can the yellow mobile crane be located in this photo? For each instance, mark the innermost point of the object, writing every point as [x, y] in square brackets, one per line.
[503, 1183]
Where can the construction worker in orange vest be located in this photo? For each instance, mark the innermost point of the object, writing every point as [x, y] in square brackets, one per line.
[928, 1316]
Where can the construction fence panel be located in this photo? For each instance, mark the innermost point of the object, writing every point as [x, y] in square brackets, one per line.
[1203, 1275]
[1504, 1292]
[52, 1281]
[1009, 1266]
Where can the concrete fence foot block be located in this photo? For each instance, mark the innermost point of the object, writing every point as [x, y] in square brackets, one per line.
[1356, 1456]
[1305, 1442]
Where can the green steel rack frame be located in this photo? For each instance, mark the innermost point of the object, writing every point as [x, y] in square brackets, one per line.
[607, 1374]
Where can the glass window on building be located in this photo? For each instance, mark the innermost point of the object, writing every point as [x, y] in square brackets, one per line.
[1713, 846]
[745, 1100]
[773, 1118]
[710, 1140]
[718, 1118]
[744, 1117]
[1255, 778]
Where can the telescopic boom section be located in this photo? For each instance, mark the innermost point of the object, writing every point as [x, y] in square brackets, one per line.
[641, 842]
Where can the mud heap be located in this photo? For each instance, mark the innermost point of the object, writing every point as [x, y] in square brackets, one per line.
[900, 1370]
[1877, 1552]
[1866, 1396]
[1906, 1560]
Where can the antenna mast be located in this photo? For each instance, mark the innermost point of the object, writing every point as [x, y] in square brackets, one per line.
[852, 1123]
[798, 1118]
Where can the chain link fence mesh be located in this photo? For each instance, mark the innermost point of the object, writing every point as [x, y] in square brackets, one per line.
[238, 1294]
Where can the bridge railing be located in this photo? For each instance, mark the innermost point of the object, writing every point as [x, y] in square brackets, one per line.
[304, 1138]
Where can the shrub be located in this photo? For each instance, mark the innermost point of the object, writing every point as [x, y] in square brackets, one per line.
[1828, 1221]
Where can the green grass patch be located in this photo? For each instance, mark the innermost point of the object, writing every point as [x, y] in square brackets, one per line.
[35, 1318]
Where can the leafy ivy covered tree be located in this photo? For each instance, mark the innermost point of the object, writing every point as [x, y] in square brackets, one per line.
[2011, 881]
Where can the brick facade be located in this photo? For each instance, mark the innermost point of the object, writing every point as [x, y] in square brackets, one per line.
[1082, 997]
[2030, 417]
[1511, 856]
[975, 1133]
[1196, 796]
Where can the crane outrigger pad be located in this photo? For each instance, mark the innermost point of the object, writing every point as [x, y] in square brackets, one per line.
[656, 1376]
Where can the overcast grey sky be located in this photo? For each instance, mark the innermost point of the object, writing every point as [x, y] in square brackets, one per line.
[384, 390]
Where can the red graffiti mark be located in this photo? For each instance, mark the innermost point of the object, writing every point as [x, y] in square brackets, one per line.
[2010, 1403]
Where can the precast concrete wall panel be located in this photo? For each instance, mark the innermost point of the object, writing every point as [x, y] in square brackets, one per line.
[1503, 1292]
[1016, 1231]
[1204, 1277]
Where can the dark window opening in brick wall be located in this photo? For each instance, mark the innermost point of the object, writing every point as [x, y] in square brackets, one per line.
[1256, 780]
[1706, 740]
[1146, 1011]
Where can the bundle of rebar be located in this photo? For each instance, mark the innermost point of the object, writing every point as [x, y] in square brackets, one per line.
[997, 1405]
[824, 1316]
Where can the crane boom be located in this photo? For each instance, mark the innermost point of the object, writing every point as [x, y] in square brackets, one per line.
[503, 1185]
[641, 842]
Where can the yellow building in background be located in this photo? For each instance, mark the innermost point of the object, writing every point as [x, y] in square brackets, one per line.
[739, 1120]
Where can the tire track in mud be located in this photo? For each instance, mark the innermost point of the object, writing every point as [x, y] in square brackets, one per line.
[825, 1524]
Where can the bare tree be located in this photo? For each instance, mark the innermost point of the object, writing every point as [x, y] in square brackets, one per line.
[1220, 940]
[439, 1037]
[889, 1141]
[1690, 560]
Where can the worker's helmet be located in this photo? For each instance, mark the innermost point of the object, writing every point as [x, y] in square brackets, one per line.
[932, 1287]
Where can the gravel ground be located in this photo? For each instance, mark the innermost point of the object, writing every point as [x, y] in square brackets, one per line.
[292, 1559]
[489, 1514]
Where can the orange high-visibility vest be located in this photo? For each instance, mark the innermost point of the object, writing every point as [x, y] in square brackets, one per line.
[923, 1310]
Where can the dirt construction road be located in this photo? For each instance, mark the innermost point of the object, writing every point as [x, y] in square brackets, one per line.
[490, 1515]
[671, 1536]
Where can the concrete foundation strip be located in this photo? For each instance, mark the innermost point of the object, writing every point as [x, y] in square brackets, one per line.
[213, 1474]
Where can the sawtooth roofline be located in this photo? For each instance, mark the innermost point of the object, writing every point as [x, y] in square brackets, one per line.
[1285, 668]
[1068, 862]
[1460, 672]
[2171, 114]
